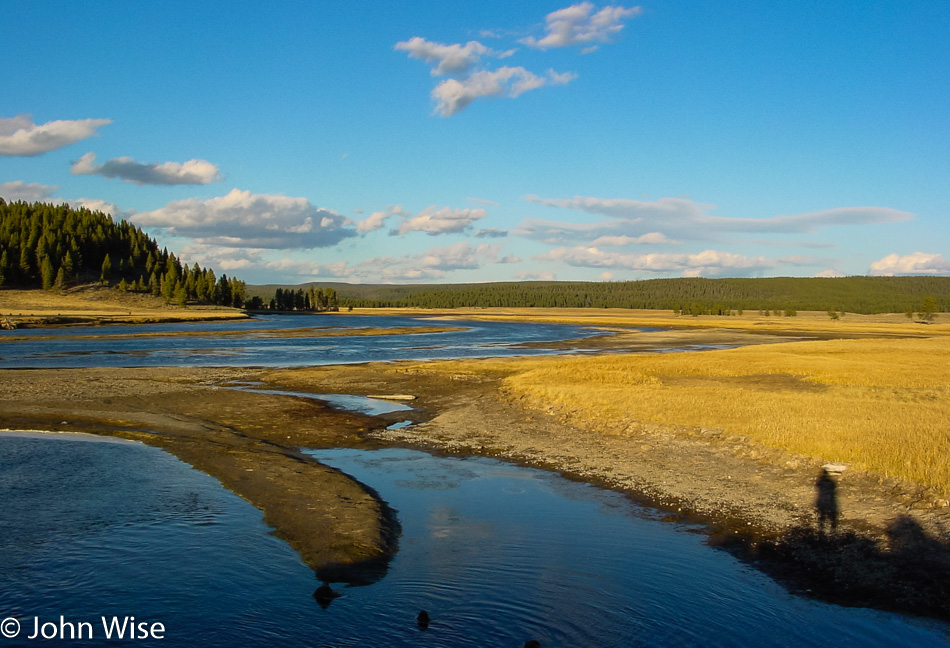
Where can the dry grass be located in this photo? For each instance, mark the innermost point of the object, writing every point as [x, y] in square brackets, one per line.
[805, 321]
[881, 405]
[102, 304]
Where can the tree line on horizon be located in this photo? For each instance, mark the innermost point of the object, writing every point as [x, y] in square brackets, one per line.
[55, 247]
[686, 296]
[312, 300]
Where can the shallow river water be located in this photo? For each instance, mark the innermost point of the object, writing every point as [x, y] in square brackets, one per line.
[258, 342]
[497, 554]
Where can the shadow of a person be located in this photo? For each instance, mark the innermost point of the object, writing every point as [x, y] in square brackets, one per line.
[826, 502]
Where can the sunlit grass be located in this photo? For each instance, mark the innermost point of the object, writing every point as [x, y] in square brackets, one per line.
[878, 404]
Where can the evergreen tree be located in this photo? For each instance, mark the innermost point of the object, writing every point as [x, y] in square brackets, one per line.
[106, 274]
[4, 265]
[47, 273]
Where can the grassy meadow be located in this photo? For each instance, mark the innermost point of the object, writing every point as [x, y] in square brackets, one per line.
[100, 304]
[880, 403]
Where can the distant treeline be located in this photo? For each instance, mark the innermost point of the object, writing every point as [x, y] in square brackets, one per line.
[313, 299]
[55, 247]
[695, 296]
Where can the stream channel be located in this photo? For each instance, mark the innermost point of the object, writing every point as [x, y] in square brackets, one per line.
[497, 554]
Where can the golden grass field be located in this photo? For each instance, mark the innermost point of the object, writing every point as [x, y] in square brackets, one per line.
[878, 403]
[100, 304]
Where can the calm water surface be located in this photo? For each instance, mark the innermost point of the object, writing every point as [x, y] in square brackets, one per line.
[202, 343]
[496, 553]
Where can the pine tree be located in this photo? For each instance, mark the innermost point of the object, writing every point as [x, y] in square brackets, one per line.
[47, 273]
[106, 273]
[4, 265]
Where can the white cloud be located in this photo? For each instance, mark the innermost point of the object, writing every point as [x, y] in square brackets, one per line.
[580, 25]
[434, 221]
[227, 259]
[605, 276]
[21, 137]
[243, 219]
[686, 218]
[650, 238]
[192, 172]
[35, 192]
[19, 190]
[454, 95]
[97, 204]
[376, 220]
[706, 263]
[918, 263]
[449, 59]
[829, 273]
[432, 264]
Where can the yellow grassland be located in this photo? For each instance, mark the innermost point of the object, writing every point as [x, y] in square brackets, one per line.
[100, 304]
[877, 404]
[752, 321]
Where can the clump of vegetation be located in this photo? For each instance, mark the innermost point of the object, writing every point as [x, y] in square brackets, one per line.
[313, 300]
[55, 247]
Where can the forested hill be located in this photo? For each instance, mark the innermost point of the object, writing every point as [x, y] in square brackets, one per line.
[688, 295]
[54, 247]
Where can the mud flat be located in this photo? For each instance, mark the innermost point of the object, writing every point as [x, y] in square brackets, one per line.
[248, 441]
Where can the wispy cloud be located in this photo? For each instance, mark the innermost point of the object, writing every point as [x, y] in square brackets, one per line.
[580, 24]
[650, 238]
[377, 220]
[911, 264]
[449, 59]
[706, 263]
[469, 76]
[454, 95]
[444, 220]
[192, 172]
[243, 219]
[685, 218]
[435, 263]
[19, 136]
[32, 192]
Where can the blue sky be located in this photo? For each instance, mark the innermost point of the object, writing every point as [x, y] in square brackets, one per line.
[471, 141]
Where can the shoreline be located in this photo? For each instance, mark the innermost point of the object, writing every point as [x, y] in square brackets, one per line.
[248, 441]
[757, 502]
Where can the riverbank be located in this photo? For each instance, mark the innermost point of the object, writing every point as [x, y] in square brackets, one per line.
[892, 546]
[95, 305]
[248, 441]
[579, 416]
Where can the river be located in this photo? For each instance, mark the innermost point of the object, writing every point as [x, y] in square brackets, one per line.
[497, 554]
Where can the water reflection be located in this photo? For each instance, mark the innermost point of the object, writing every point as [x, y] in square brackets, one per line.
[497, 555]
